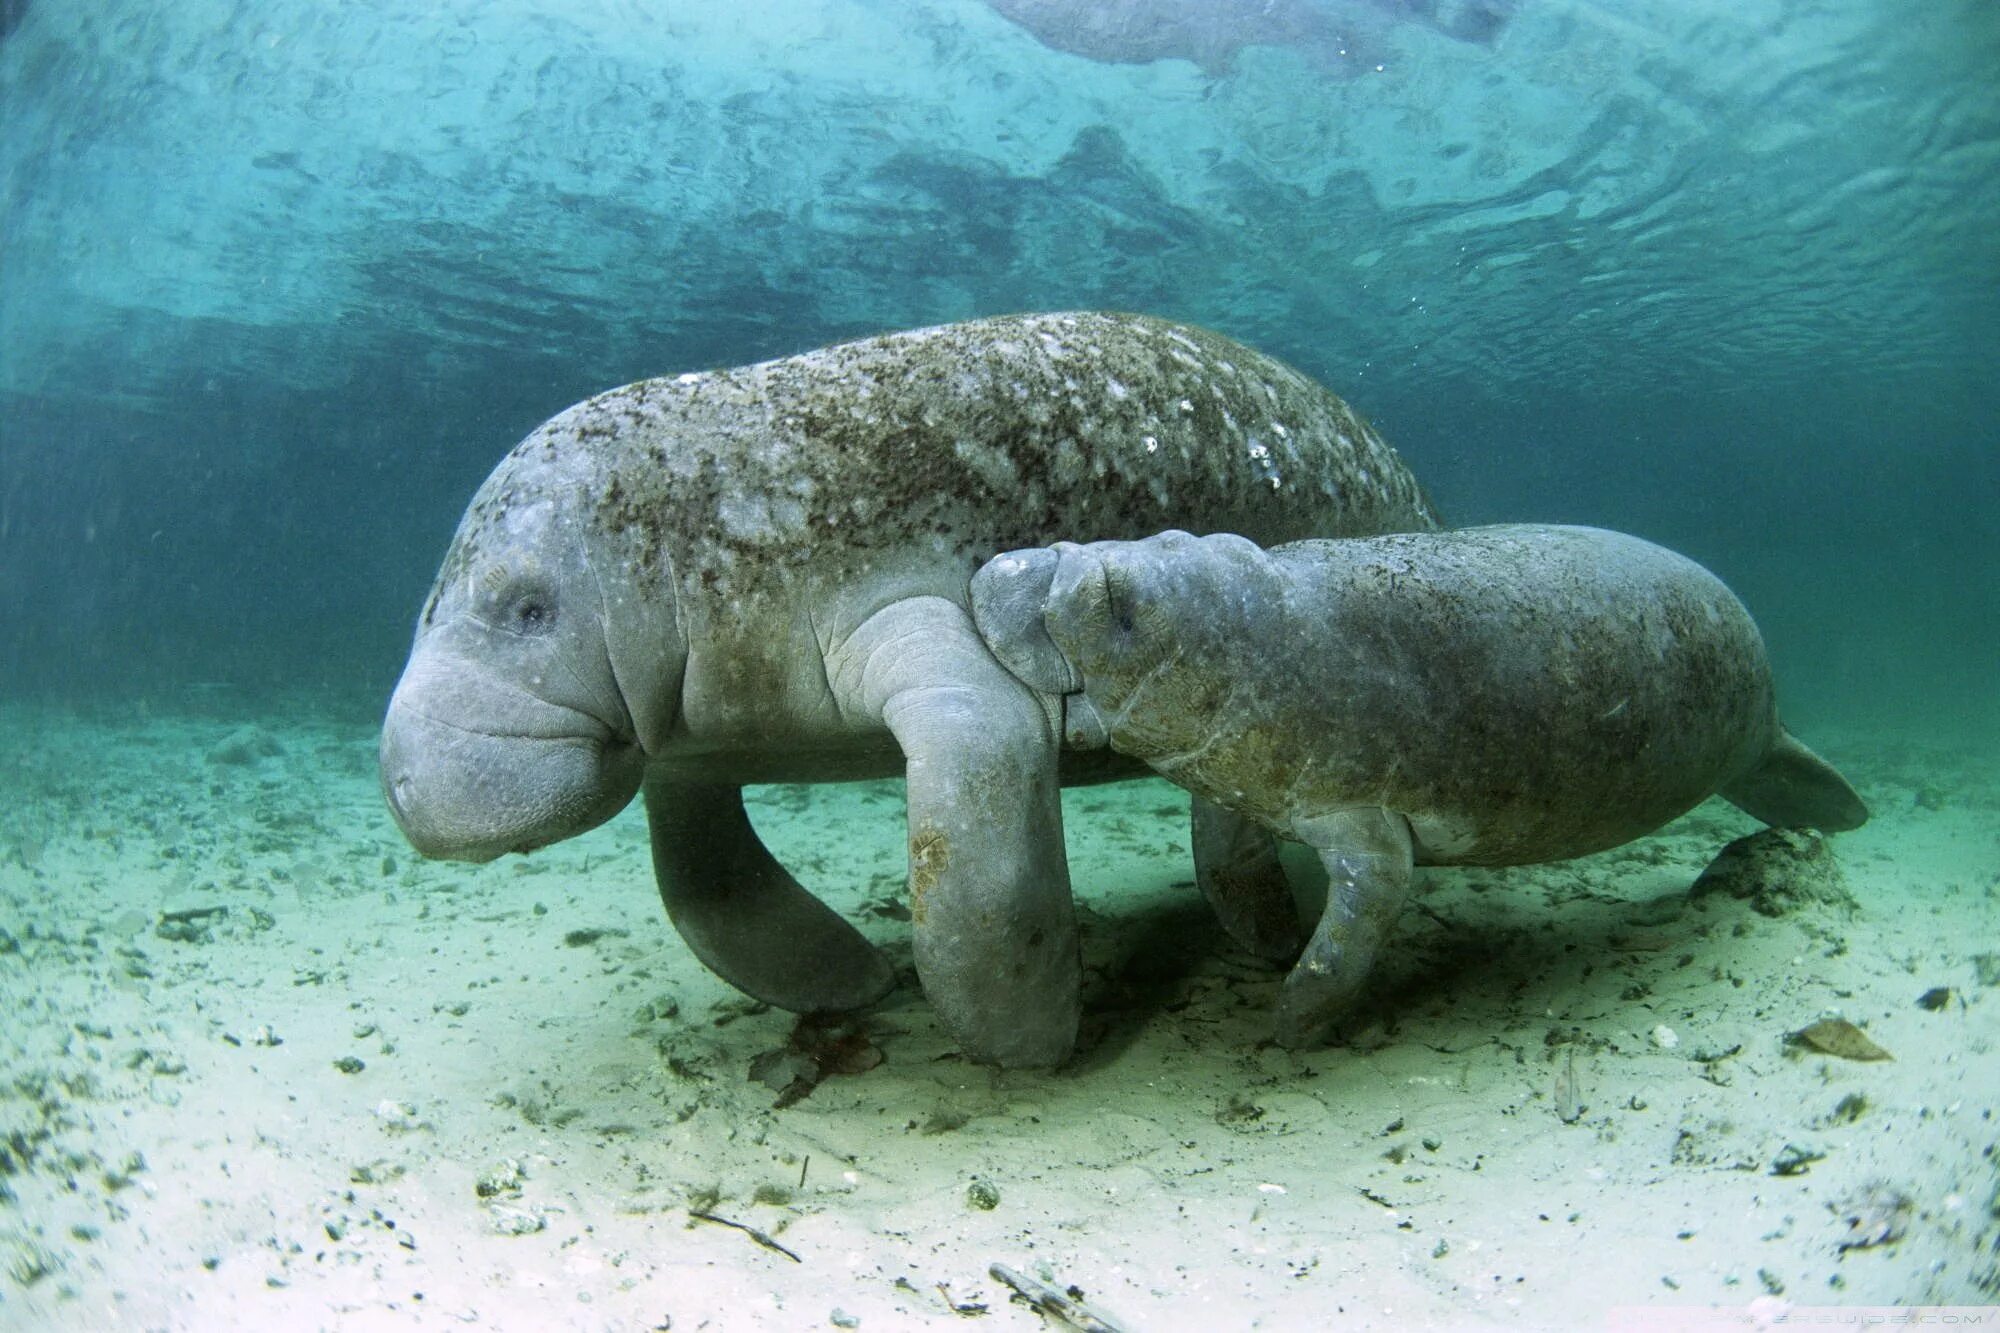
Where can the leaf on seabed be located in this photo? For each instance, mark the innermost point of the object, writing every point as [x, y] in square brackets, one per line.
[1837, 1036]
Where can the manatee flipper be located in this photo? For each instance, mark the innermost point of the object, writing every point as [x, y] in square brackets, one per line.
[1369, 862]
[1236, 864]
[990, 911]
[1791, 787]
[743, 914]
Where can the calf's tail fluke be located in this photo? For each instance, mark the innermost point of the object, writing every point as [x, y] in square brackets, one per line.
[1791, 787]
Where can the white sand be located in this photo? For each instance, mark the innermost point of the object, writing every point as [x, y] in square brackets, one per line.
[183, 1153]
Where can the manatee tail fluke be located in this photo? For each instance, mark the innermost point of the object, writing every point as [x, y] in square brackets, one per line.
[1794, 788]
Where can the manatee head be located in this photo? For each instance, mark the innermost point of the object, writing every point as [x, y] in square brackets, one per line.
[1133, 633]
[509, 729]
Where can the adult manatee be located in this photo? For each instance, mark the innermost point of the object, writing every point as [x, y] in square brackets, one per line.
[760, 575]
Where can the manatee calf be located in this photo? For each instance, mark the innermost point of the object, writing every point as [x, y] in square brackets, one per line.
[760, 575]
[1492, 696]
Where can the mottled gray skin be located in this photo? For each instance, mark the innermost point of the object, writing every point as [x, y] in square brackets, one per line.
[760, 575]
[1492, 696]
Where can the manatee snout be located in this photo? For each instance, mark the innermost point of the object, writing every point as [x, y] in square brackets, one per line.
[1010, 605]
[1055, 616]
[473, 768]
[1109, 602]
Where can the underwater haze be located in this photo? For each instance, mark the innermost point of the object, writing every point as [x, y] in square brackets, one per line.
[282, 281]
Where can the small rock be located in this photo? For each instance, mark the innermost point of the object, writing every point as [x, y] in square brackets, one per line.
[378, 1172]
[503, 1177]
[945, 1120]
[1878, 1214]
[189, 925]
[1776, 870]
[982, 1194]
[118, 1177]
[31, 1262]
[519, 1221]
[397, 1116]
[245, 745]
[1795, 1160]
[657, 1009]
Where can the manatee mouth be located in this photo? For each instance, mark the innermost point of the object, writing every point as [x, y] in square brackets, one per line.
[396, 792]
[464, 795]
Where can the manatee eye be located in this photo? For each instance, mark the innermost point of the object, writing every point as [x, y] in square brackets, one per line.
[534, 612]
[522, 605]
[1120, 602]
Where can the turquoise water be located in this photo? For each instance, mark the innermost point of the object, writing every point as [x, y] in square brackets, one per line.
[281, 281]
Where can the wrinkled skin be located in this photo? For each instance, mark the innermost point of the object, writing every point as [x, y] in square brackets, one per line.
[760, 575]
[509, 729]
[1493, 696]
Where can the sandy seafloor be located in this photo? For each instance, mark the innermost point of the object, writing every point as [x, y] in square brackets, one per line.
[1572, 1093]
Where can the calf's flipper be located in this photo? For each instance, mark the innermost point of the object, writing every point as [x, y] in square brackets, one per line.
[1369, 861]
[1236, 864]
